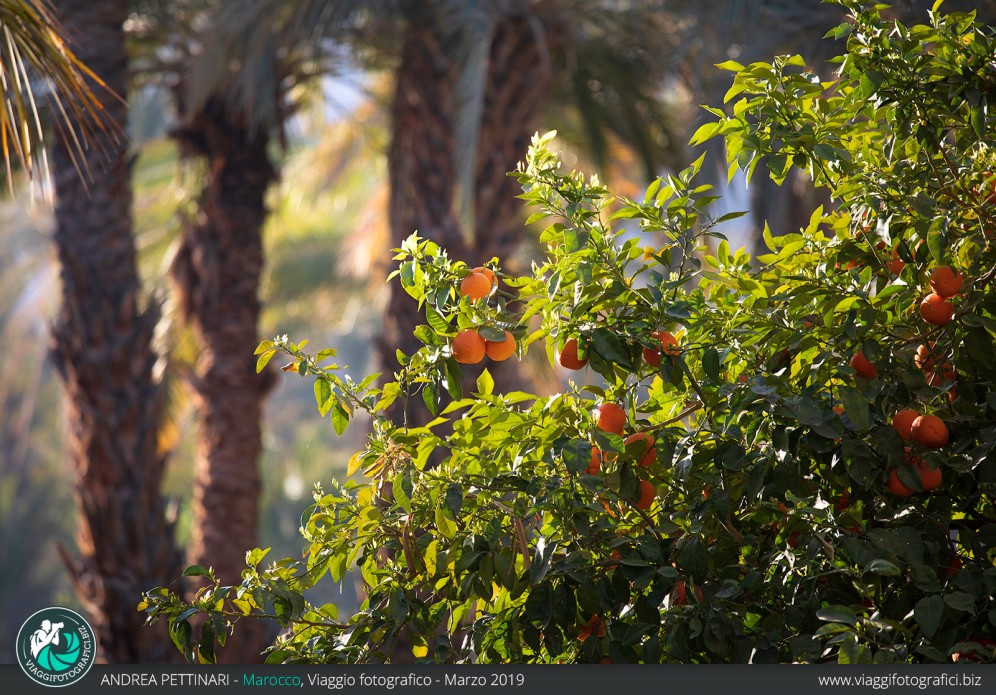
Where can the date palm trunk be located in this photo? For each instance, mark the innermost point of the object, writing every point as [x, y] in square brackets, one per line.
[421, 164]
[218, 271]
[102, 349]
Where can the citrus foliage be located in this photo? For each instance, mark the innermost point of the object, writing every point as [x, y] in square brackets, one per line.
[774, 513]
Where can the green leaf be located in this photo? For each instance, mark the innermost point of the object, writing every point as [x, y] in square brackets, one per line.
[539, 606]
[577, 455]
[430, 396]
[485, 383]
[446, 526]
[884, 568]
[929, 612]
[710, 363]
[454, 498]
[389, 394]
[856, 408]
[492, 333]
[437, 322]
[197, 571]
[323, 395]
[960, 601]
[264, 360]
[837, 614]
[179, 633]
[340, 418]
[454, 379]
[730, 65]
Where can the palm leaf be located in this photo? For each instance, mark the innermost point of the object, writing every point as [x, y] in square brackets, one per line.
[35, 62]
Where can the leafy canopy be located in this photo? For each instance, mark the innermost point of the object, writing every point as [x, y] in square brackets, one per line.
[780, 516]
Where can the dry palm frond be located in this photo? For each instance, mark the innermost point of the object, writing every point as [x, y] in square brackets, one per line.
[39, 71]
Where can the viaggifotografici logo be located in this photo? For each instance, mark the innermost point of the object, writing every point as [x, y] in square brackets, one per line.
[56, 647]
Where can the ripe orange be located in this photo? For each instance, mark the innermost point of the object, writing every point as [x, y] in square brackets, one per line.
[643, 444]
[895, 485]
[843, 502]
[469, 347]
[617, 556]
[930, 431]
[903, 422]
[669, 344]
[862, 366]
[568, 357]
[501, 350]
[930, 478]
[946, 281]
[679, 593]
[936, 309]
[924, 358]
[488, 273]
[610, 417]
[477, 286]
[594, 626]
[647, 495]
[597, 456]
[897, 264]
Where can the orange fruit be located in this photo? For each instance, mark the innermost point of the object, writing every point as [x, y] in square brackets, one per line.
[568, 356]
[862, 366]
[946, 281]
[897, 264]
[597, 456]
[936, 310]
[843, 502]
[647, 495]
[895, 485]
[903, 422]
[469, 347]
[611, 418]
[924, 358]
[617, 556]
[679, 593]
[594, 626]
[488, 273]
[669, 344]
[477, 286]
[930, 478]
[500, 350]
[643, 444]
[930, 431]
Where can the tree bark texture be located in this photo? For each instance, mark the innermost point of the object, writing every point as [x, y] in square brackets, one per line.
[218, 271]
[102, 349]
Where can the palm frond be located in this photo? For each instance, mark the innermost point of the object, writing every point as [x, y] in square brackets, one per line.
[256, 51]
[38, 71]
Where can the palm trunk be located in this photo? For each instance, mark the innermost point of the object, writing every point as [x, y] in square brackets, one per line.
[519, 82]
[102, 349]
[218, 270]
[421, 177]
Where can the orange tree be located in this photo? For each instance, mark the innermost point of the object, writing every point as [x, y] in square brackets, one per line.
[789, 458]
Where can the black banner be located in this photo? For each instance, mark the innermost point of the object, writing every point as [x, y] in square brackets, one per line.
[606, 679]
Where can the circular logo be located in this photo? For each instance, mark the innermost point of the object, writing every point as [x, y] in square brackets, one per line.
[56, 647]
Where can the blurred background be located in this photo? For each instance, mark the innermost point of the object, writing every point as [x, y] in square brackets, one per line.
[323, 133]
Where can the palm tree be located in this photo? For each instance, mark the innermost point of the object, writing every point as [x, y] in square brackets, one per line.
[102, 348]
[218, 270]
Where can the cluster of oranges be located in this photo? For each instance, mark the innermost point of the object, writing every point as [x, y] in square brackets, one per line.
[610, 417]
[469, 346]
[945, 282]
[927, 430]
[569, 355]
